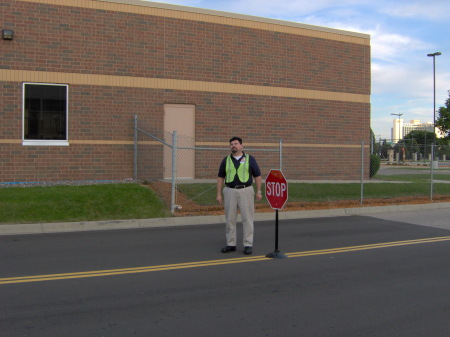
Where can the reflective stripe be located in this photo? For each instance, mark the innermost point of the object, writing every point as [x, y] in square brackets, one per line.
[243, 171]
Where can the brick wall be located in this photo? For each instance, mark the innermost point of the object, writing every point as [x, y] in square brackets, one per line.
[63, 39]
[66, 39]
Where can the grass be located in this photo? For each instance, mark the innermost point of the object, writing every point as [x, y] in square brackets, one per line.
[414, 185]
[414, 178]
[79, 203]
[133, 201]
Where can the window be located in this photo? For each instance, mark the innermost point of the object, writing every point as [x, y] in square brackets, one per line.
[45, 114]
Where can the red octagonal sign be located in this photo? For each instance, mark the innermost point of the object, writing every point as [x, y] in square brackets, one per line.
[276, 189]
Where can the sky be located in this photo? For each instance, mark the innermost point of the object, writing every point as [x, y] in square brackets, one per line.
[402, 33]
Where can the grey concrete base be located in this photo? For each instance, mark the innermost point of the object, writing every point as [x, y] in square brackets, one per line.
[14, 229]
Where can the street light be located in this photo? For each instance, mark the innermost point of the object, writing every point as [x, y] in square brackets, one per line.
[399, 115]
[433, 55]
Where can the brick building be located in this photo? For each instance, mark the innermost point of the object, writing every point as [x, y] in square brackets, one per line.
[76, 72]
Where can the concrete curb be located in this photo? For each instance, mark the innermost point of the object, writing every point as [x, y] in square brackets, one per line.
[64, 227]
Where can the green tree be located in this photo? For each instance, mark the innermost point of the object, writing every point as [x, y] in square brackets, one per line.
[420, 142]
[385, 147]
[375, 163]
[443, 147]
[421, 137]
[443, 119]
[373, 142]
[408, 147]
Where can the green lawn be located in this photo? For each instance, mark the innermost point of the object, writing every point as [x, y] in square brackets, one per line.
[415, 178]
[133, 201]
[79, 203]
[414, 185]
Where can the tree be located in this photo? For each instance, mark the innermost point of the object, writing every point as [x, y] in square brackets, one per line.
[375, 163]
[421, 137]
[443, 120]
[385, 147]
[420, 142]
[443, 147]
[373, 142]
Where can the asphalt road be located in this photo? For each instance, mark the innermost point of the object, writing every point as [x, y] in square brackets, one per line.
[345, 276]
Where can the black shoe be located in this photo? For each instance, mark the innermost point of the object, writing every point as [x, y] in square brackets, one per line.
[228, 249]
[248, 250]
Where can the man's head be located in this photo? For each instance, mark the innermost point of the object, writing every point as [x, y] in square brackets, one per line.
[236, 145]
[236, 138]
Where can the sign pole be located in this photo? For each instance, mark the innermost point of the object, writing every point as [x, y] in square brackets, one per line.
[276, 231]
[276, 254]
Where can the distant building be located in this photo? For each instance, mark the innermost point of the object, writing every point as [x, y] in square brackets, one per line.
[400, 129]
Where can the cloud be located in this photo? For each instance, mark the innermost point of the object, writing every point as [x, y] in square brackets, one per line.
[402, 80]
[282, 8]
[423, 10]
[389, 46]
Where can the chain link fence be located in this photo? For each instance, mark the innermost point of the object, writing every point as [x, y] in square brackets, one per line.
[187, 170]
[409, 152]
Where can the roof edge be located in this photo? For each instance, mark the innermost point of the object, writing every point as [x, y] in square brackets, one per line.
[237, 16]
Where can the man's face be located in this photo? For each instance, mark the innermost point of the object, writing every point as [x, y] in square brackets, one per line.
[236, 146]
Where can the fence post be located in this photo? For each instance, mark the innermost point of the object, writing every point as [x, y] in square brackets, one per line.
[362, 172]
[431, 171]
[281, 154]
[135, 147]
[174, 171]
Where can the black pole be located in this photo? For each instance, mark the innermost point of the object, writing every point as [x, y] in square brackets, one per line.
[276, 232]
[276, 253]
[434, 119]
[434, 95]
[433, 55]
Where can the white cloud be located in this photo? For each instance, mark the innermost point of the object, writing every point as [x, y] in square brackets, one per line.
[285, 8]
[401, 80]
[281, 9]
[429, 10]
[393, 46]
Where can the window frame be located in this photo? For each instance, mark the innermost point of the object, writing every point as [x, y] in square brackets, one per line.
[45, 142]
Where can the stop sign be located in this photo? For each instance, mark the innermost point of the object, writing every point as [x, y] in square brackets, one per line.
[276, 189]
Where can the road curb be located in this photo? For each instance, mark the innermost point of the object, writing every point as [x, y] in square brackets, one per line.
[65, 227]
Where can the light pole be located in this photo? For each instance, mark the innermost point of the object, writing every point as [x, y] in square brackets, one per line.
[433, 55]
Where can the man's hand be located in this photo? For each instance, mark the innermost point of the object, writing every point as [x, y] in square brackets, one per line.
[258, 181]
[219, 198]
[258, 196]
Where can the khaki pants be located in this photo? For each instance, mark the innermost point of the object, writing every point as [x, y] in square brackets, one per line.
[243, 198]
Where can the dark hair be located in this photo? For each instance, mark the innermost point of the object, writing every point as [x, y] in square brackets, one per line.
[236, 138]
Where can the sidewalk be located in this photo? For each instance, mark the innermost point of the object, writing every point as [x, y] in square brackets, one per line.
[62, 227]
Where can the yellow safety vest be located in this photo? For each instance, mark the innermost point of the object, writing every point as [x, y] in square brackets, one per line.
[243, 171]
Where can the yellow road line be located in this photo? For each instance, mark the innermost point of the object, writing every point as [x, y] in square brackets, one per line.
[98, 273]
[38, 278]
[366, 247]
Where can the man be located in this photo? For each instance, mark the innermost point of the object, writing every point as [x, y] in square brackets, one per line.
[237, 171]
